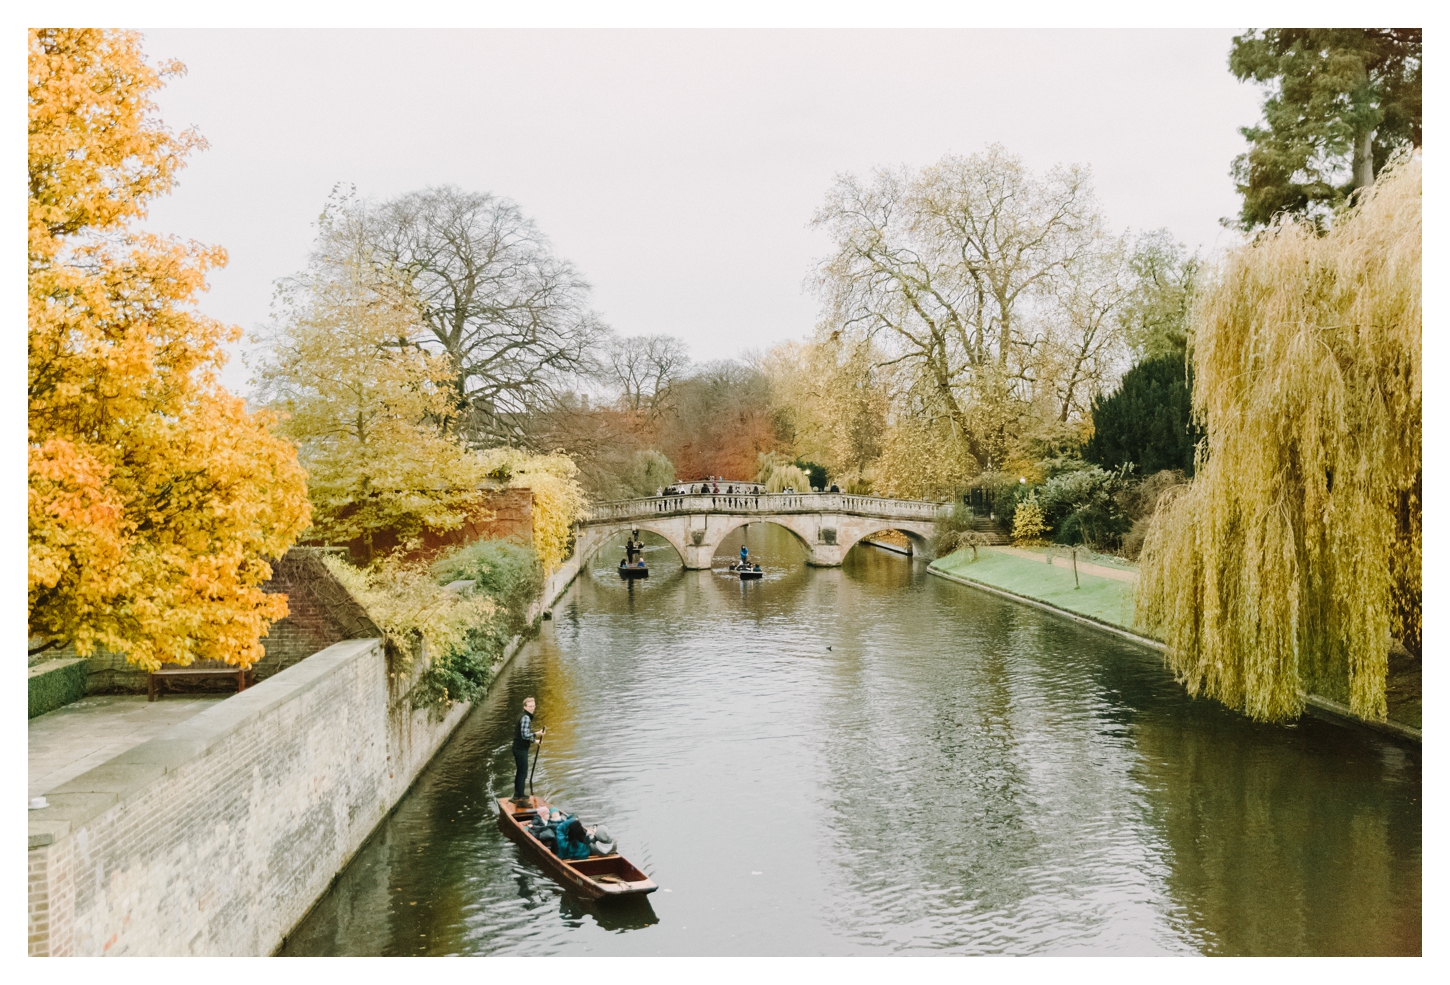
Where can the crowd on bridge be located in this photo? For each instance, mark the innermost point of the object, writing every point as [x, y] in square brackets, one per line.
[711, 487]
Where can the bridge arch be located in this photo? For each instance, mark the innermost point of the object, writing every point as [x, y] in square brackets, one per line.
[591, 540]
[918, 534]
[733, 523]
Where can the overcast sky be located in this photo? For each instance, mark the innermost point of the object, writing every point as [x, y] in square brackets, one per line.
[677, 169]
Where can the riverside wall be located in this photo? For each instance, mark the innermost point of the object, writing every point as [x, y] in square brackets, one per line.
[216, 837]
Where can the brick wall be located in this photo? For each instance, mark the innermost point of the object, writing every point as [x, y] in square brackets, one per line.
[216, 837]
[506, 514]
[320, 613]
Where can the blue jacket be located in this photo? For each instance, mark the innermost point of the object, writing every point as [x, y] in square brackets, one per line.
[572, 842]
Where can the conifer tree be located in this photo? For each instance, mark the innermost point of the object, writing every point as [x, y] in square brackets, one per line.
[1147, 420]
[1342, 102]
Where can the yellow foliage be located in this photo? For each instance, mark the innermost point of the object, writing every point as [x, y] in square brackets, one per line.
[370, 413]
[922, 458]
[558, 497]
[832, 399]
[155, 497]
[1293, 557]
[408, 604]
[1028, 522]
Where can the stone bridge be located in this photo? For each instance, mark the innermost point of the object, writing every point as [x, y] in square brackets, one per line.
[827, 524]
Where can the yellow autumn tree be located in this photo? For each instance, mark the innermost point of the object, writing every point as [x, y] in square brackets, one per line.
[370, 410]
[1292, 560]
[155, 496]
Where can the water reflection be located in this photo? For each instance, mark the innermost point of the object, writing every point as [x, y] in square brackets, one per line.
[867, 759]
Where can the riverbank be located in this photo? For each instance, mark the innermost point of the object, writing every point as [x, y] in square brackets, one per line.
[1101, 594]
[1099, 597]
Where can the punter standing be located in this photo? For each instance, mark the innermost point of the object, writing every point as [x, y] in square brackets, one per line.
[524, 736]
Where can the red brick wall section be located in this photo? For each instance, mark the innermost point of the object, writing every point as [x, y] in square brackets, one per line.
[320, 612]
[505, 514]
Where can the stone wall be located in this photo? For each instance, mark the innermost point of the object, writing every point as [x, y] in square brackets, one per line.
[216, 837]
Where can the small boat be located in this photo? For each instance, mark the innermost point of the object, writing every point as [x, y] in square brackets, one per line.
[596, 877]
[640, 570]
[746, 573]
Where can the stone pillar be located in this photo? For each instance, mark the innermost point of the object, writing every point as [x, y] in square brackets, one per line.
[699, 544]
[832, 541]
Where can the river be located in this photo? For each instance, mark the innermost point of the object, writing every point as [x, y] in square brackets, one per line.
[873, 760]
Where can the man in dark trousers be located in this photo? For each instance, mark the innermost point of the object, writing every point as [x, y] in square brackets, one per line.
[525, 735]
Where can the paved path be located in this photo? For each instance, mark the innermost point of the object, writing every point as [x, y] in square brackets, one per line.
[84, 734]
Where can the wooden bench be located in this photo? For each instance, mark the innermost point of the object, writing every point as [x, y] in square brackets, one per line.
[153, 679]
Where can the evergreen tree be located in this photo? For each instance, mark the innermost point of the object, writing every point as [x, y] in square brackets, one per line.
[1342, 102]
[1148, 420]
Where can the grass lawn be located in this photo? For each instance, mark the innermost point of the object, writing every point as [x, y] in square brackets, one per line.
[1101, 598]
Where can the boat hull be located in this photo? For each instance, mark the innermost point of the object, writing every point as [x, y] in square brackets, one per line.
[633, 572]
[747, 575]
[596, 877]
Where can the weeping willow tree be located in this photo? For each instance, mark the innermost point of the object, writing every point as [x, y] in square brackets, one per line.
[1292, 560]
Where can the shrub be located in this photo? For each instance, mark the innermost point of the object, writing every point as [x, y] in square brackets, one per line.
[408, 604]
[558, 497]
[506, 572]
[1081, 505]
[1028, 521]
[1006, 490]
[949, 526]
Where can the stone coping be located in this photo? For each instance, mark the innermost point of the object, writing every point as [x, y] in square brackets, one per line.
[122, 777]
[1324, 707]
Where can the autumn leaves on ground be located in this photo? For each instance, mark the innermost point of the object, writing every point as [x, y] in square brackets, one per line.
[1252, 423]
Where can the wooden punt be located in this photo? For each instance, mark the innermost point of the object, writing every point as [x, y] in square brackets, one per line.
[596, 877]
[744, 574]
[632, 571]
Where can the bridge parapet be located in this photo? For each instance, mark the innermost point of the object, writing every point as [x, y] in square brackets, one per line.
[762, 504]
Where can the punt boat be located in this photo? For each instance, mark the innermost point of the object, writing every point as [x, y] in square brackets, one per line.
[746, 573]
[596, 877]
[633, 570]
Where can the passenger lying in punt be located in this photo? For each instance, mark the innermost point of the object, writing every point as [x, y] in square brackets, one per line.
[568, 837]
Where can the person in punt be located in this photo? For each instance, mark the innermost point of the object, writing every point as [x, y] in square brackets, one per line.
[575, 840]
[524, 737]
[544, 826]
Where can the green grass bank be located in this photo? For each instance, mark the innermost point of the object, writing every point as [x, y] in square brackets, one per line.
[1103, 599]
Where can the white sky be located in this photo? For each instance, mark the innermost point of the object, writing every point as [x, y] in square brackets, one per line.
[677, 169]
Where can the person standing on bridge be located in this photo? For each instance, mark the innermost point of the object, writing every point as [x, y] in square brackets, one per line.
[524, 737]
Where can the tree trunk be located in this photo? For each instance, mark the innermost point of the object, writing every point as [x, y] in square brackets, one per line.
[1364, 160]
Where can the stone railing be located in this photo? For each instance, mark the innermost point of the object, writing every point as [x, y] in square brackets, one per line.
[762, 503]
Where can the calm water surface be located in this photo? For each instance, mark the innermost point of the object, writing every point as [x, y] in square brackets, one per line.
[872, 760]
